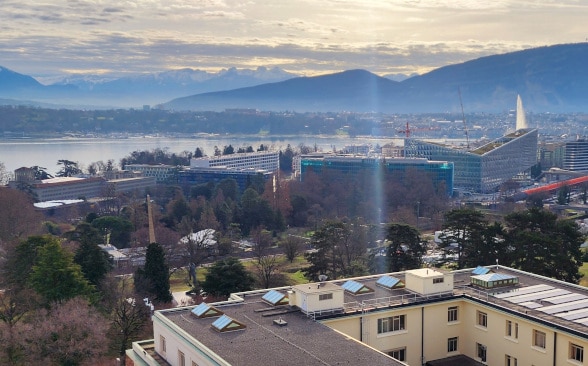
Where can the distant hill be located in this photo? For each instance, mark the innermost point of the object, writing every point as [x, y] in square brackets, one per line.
[551, 78]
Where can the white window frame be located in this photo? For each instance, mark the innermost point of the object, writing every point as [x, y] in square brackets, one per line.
[510, 361]
[452, 344]
[398, 354]
[512, 329]
[453, 314]
[392, 324]
[481, 352]
[576, 352]
[482, 319]
[539, 339]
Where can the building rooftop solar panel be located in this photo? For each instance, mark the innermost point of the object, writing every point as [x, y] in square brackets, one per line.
[537, 296]
[565, 298]
[523, 291]
[574, 314]
[531, 304]
[574, 305]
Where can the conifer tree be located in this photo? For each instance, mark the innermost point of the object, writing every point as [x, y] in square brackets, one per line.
[153, 278]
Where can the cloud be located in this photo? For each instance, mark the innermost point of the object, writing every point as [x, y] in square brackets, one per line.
[307, 36]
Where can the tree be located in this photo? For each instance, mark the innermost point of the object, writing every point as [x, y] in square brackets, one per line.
[128, 315]
[68, 168]
[153, 278]
[94, 261]
[41, 173]
[18, 220]
[336, 252]
[292, 246]
[228, 150]
[117, 230]
[55, 276]
[544, 244]
[71, 333]
[227, 276]
[462, 228]
[405, 248]
[198, 153]
[4, 175]
[267, 267]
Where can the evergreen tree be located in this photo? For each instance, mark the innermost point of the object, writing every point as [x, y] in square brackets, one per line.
[227, 276]
[405, 248]
[153, 278]
[462, 228]
[55, 276]
[94, 261]
[544, 244]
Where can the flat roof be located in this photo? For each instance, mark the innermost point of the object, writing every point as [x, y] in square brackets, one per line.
[310, 342]
[299, 340]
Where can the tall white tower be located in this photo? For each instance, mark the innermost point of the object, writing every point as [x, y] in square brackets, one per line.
[521, 119]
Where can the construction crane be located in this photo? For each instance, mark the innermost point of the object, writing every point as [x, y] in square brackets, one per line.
[406, 131]
[465, 126]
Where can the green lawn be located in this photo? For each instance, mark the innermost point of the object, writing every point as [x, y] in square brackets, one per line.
[584, 272]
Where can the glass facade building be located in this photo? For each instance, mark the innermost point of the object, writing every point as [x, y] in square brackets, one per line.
[440, 171]
[243, 177]
[576, 156]
[484, 169]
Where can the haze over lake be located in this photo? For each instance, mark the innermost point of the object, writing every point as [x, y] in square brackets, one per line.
[16, 153]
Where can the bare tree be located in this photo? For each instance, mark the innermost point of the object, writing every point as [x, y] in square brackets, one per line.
[267, 268]
[292, 246]
[129, 316]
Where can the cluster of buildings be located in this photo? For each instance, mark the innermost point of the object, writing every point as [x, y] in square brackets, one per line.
[491, 315]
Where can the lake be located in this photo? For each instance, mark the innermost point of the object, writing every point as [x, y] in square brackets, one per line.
[16, 153]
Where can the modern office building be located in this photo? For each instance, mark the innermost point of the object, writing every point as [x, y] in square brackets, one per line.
[483, 316]
[243, 177]
[483, 169]
[576, 156]
[265, 160]
[440, 171]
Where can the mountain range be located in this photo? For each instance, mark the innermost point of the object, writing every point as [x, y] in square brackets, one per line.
[549, 79]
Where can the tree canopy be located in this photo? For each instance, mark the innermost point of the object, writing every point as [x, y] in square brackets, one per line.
[405, 248]
[227, 276]
[153, 278]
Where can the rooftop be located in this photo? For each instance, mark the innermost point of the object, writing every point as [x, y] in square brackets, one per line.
[277, 334]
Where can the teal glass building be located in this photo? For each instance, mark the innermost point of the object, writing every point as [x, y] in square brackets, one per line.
[439, 171]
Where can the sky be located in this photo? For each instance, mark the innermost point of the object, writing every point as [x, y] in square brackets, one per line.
[43, 38]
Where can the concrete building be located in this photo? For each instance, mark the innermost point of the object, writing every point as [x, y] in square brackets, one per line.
[440, 171]
[265, 160]
[576, 156]
[484, 316]
[63, 188]
[483, 169]
[162, 173]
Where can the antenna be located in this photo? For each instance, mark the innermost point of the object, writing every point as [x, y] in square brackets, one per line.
[465, 126]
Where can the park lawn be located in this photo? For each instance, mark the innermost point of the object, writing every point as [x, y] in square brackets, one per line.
[584, 272]
[178, 281]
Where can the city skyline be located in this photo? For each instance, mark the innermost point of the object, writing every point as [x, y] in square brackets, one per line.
[303, 37]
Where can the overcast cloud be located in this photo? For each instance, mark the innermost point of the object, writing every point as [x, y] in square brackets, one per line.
[302, 36]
